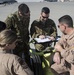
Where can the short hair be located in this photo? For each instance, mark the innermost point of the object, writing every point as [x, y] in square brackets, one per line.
[46, 10]
[23, 8]
[2, 26]
[67, 20]
[7, 37]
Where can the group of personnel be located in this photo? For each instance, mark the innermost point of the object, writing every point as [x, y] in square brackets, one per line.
[14, 42]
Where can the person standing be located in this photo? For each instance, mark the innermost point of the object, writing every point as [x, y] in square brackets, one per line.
[64, 55]
[19, 22]
[42, 28]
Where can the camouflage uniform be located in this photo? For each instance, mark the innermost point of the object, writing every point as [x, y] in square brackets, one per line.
[20, 26]
[48, 29]
[38, 28]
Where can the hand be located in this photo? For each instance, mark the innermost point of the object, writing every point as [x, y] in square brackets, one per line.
[42, 37]
[52, 38]
[56, 58]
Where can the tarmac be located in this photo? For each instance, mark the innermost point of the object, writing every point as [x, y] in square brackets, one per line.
[57, 9]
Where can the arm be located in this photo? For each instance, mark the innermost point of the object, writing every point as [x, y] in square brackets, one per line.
[62, 45]
[59, 49]
[20, 67]
[34, 30]
[9, 22]
[51, 30]
[57, 56]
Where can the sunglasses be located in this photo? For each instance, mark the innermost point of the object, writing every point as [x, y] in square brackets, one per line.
[61, 25]
[44, 17]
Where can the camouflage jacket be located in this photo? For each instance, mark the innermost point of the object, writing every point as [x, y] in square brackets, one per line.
[14, 23]
[38, 28]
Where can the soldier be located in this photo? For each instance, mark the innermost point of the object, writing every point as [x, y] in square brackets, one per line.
[19, 22]
[64, 55]
[43, 27]
[11, 64]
